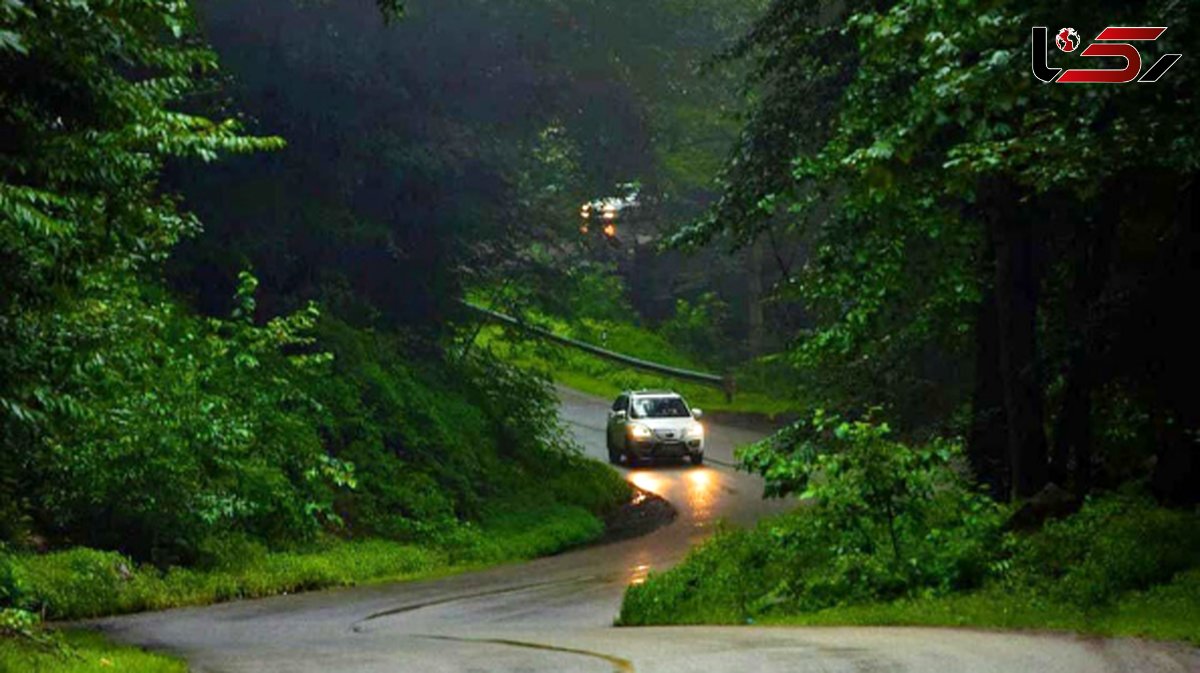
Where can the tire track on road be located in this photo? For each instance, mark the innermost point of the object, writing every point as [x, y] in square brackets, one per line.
[619, 664]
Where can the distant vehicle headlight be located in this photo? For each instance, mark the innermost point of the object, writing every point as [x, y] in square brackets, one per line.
[695, 431]
[640, 432]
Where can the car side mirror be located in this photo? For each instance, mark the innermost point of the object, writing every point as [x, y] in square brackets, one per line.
[619, 415]
[697, 413]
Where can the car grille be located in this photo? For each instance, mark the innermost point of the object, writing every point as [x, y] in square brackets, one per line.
[669, 435]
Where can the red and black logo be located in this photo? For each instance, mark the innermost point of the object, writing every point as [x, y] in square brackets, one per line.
[1112, 42]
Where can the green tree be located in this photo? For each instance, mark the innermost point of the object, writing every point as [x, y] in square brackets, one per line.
[977, 239]
[123, 421]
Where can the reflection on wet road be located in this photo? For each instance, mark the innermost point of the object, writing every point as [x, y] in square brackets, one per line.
[702, 495]
[694, 490]
[555, 614]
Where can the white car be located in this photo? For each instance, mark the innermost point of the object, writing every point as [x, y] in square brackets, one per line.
[649, 424]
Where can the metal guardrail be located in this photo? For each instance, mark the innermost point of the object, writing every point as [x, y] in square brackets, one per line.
[725, 383]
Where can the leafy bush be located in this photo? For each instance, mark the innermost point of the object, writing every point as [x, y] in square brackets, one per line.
[12, 585]
[456, 463]
[728, 579]
[884, 520]
[196, 435]
[699, 328]
[1122, 566]
[120, 416]
[80, 582]
[18, 623]
[170, 429]
[594, 291]
[1112, 546]
[901, 516]
[434, 446]
[515, 530]
[582, 482]
[230, 551]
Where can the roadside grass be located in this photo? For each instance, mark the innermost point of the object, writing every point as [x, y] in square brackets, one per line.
[82, 583]
[1166, 612]
[593, 375]
[561, 512]
[1122, 566]
[83, 652]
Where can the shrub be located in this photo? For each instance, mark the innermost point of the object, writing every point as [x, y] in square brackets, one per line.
[899, 517]
[170, 429]
[1113, 545]
[1120, 565]
[18, 623]
[77, 583]
[521, 531]
[576, 480]
[12, 584]
[728, 579]
[884, 520]
[230, 551]
[434, 445]
[700, 328]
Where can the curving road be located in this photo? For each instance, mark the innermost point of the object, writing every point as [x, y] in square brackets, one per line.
[555, 614]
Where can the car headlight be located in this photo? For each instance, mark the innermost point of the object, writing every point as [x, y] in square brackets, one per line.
[695, 431]
[640, 432]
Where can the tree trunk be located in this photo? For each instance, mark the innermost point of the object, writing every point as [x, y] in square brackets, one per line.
[987, 440]
[1093, 249]
[1073, 429]
[754, 298]
[1176, 478]
[1016, 288]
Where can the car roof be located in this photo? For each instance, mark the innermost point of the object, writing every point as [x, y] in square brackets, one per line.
[654, 393]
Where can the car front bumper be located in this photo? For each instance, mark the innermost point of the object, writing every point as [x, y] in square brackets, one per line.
[665, 448]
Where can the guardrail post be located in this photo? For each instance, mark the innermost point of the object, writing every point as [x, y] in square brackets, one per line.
[729, 385]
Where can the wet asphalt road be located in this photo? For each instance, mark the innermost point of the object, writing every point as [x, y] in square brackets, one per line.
[555, 614]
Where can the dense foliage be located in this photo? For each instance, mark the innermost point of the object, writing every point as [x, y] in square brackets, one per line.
[166, 440]
[984, 250]
[885, 520]
[435, 446]
[1120, 555]
[95, 369]
[130, 423]
[984, 255]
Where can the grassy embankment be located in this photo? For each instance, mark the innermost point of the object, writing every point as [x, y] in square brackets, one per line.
[1169, 611]
[446, 481]
[597, 376]
[81, 583]
[83, 652]
[1120, 567]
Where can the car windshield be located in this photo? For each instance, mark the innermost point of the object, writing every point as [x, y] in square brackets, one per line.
[659, 407]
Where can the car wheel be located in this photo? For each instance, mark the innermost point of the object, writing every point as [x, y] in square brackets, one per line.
[697, 458]
[614, 456]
